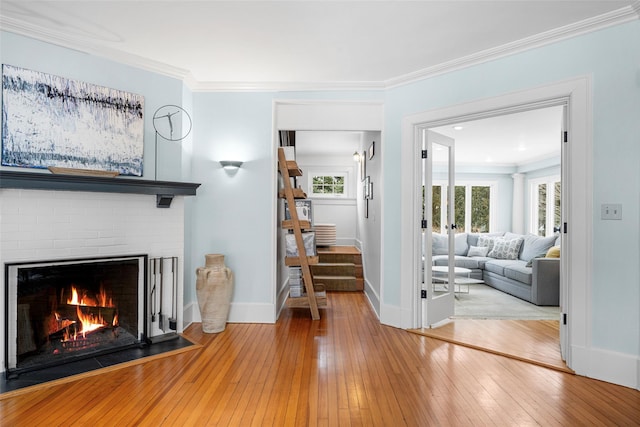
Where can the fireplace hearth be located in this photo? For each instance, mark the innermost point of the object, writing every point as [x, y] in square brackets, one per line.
[59, 311]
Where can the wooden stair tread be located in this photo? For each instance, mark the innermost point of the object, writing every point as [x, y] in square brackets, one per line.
[337, 264]
[339, 250]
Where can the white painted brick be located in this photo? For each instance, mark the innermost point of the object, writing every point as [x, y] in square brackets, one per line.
[83, 234]
[8, 246]
[12, 236]
[18, 219]
[9, 227]
[35, 244]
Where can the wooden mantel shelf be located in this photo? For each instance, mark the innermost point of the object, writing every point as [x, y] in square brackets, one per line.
[47, 181]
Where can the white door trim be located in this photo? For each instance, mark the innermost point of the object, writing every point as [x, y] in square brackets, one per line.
[578, 253]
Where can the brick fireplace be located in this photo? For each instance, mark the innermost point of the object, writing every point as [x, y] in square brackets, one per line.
[54, 225]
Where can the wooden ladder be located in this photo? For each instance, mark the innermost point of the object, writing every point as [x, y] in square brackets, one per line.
[288, 169]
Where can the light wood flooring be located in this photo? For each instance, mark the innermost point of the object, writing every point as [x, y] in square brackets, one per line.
[534, 341]
[345, 369]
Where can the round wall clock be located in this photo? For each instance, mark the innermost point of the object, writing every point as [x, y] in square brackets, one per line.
[172, 122]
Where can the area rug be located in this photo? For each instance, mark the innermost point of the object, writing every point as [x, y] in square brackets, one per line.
[485, 302]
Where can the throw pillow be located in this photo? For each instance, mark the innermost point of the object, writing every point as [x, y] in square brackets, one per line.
[478, 251]
[439, 244]
[506, 249]
[534, 245]
[486, 242]
[554, 252]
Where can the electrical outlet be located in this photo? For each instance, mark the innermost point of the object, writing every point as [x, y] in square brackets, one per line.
[611, 211]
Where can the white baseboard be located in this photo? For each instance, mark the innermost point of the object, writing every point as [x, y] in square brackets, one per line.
[391, 315]
[239, 313]
[612, 367]
[372, 297]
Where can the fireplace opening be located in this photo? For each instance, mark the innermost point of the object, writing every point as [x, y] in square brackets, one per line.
[58, 311]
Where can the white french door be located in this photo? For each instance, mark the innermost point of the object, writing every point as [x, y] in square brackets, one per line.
[437, 164]
[564, 260]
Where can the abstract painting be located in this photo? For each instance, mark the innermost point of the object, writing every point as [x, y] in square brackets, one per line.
[49, 120]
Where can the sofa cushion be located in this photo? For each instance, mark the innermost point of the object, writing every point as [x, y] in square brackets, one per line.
[461, 247]
[475, 263]
[504, 248]
[440, 244]
[534, 246]
[497, 265]
[519, 271]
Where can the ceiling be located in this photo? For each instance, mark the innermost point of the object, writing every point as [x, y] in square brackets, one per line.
[217, 45]
[509, 140]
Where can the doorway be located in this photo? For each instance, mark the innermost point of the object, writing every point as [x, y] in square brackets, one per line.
[575, 270]
[507, 180]
[502, 161]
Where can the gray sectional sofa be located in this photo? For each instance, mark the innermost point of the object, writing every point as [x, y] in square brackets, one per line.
[513, 263]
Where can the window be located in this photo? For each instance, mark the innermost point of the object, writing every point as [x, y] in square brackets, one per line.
[473, 207]
[545, 206]
[333, 185]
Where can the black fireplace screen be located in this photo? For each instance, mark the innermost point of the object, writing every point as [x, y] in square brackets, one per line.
[62, 310]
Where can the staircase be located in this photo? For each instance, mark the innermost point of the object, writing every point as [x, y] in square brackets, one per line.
[339, 268]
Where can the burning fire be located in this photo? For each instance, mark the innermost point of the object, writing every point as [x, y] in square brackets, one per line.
[102, 300]
[90, 322]
[89, 319]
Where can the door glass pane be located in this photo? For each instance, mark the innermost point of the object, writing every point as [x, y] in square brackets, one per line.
[460, 200]
[542, 209]
[440, 277]
[556, 204]
[480, 202]
[436, 208]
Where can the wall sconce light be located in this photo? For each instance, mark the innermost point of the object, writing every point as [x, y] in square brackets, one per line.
[356, 156]
[231, 165]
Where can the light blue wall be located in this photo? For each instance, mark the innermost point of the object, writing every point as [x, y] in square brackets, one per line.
[232, 214]
[612, 57]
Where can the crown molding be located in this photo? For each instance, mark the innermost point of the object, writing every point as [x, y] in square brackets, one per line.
[60, 39]
[616, 17]
[286, 86]
[625, 14]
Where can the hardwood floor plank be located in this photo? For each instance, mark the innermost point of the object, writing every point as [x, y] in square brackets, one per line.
[345, 369]
[535, 341]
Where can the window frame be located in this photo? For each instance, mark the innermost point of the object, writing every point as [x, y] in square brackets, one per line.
[534, 183]
[343, 174]
[493, 191]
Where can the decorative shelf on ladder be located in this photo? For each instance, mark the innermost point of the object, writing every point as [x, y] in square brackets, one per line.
[316, 294]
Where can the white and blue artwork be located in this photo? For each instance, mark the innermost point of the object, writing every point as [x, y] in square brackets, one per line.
[49, 120]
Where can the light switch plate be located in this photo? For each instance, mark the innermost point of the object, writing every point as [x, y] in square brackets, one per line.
[611, 211]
